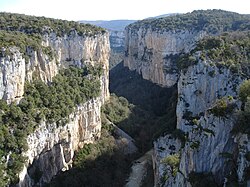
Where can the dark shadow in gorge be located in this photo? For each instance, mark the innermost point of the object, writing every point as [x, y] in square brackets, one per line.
[140, 92]
[108, 170]
[152, 115]
[155, 111]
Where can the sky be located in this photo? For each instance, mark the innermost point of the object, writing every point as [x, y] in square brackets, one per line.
[116, 9]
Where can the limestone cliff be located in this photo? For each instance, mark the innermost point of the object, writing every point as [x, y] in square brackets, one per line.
[68, 50]
[151, 44]
[147, 52]
[207, 114]
[117, 43]
[51, 147]
[208, 137]
[211, 133]
[203, 146]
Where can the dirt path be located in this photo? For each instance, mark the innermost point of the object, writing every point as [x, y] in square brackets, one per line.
[141, 170]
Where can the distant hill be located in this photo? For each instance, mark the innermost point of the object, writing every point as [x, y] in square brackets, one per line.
[114, 25]
[119, 25]
[164, 15]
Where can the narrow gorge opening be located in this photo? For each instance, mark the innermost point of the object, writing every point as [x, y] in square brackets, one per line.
[141, 109]
[154, 106]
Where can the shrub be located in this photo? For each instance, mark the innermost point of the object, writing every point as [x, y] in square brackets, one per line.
[244, 90]
[222, 108]
[173, 161]
[242, 123]
[195, 145]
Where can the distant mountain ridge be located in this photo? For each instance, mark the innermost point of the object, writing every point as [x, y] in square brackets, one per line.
[163, 15]
[113, 25]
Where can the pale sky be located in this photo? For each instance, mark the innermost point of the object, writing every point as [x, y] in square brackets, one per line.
[116, 9]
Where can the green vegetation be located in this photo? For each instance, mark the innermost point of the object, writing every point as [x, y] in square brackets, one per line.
[244, 91]
[26, 32]
[117, 109]
[53, 103]
[173, 161]
[242, 124]
[183, 61]
[20, 40]
[222, 108]
[229, 50]
[151, 109]
[41, 25]
[98, 164]
[213, 21]
[139, 123]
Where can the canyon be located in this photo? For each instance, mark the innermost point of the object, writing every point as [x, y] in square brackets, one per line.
[181, 80]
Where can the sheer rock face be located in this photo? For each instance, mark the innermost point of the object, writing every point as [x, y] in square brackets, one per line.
[52, 146]
[164, 147]
[148, 52]
[70, 49]
[117, 40]
[12, 76]
[209, 139]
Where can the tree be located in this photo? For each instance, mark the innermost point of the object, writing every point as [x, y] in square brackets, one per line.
[244, 90]
[173, 161]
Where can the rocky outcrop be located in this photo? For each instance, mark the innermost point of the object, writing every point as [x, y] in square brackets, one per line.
[152, 45]
[149, 52]
[212, 134]
[243, 161]
[164, 148]
[71, 49]
[117, 40]
[210, 147]
[12, 76]
[161, 50]
[51, 147]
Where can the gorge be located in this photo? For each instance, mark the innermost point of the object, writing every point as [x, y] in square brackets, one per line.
[181, 95]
